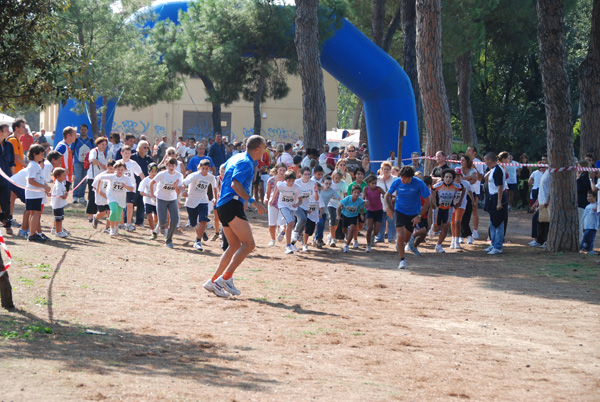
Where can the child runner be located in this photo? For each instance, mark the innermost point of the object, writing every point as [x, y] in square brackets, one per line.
[445, 191]
[590, 223]
[420, 232]
[118, 186]
[149, 203]
[339, 186]
[372, 196]
[132, 169]
[59, 200]
[348, 211]
[167, 190]
[325, 195]
[101, 188]
[315, 209]
[219, 179]
[308, 188]
[290, 197]
[35, 192]
[460, 204]
[197, 199]
[271, 199]
[359, 175]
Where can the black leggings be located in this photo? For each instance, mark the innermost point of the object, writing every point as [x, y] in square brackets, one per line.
[465, 224]
[91, 208]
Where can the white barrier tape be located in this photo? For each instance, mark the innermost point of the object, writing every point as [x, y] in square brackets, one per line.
[7, 265]
[7, 177]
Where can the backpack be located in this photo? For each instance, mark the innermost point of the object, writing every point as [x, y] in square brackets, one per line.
[86, 160]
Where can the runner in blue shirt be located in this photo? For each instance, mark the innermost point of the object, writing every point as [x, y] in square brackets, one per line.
[235, 191]
[408, 208]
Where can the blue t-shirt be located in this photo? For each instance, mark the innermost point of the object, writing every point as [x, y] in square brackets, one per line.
[195, 161]
[351, 209]
[408, 197]
[241, 168]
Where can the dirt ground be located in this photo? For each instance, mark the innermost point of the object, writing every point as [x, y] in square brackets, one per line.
[321, 325]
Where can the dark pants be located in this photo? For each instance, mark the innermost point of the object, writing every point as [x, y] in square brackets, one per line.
[139, 210]
[542, 234]
[91, 208]
[534, 224]
[465, 224]
[5, 202]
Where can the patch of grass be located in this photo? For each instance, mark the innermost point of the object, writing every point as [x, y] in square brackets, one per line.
[40, 301]
[26, 332]
[580, 271]
[43, 267]
[26, 281]
[45, 276]
[261, 299]
[358, 333]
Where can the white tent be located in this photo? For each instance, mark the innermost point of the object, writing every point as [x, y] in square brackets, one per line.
[353, 139]
[6, 119]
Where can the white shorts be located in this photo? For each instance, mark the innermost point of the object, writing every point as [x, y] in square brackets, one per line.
[275, 218]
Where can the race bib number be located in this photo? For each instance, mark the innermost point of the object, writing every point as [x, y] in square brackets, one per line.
[312, 207]
[168, 187]
[118, 186]
[306, 194]
[352, 210]
[127, 173]
[201, 186]
[287, 199]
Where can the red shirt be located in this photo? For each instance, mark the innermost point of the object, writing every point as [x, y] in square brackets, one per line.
[27, 141]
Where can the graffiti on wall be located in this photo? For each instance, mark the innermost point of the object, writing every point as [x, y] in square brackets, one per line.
[139, 127]
[277, 134]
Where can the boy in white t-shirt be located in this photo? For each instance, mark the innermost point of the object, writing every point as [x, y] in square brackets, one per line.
[59, 200]
[166, 188]
[118, 186]
[197, 199]
[149, 202]
[290, 197]
[132, 169]
[100, 189]
[35, 192]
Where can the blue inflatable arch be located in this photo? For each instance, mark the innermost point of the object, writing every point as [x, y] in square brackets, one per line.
[369, 72]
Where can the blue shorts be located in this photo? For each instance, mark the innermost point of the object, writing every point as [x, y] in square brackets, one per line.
[19, 192]
[59, 214]
[198, 214]
[33, 204]
[377, 216]
[150, 209]
[288, 215]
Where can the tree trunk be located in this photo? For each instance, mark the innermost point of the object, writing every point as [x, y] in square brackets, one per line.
[103, 130]
[257, 97]
[309, 62]
[431, 79]
[589, 86]
[216, 107]
[363, 137]
[564, 224]
[6, 300]
[94, 119]
[391, 29]
[409, 55]
[356, 115]
[463, 78]
[378, 21]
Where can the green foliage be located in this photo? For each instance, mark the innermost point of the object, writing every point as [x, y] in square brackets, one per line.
[347, 102]
[37, 53]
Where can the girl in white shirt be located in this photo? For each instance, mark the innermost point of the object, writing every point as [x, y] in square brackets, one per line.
[118, 186]
[35, 192]
[271, 199]
[197, 199]
[166, 188]
[100, 189]
[149, 203]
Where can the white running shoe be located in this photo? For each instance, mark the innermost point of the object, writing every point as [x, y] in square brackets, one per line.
[216, 289]
[470, 240]
[333, 243]
[494, 251]
[294, 237]
[271, 243]
[406, 249]
[305, 248]
[281, 236]
[475, 235]
[534, 243]
[461, 240]
[346, 248]
[457, 246]
[368, 249]
[288, 249]
[490, 248]
[431, 233]
[228, 285]
[198, 246]
[106, 231]
[113, 231]
[53, 231]
[439, 249]
[61, 234]
[402, 264]
[355, 245]
[294, 248]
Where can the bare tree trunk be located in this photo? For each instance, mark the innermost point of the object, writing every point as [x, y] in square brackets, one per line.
[6, 299]
[103, 130]
[589, 86]
[216, 107]
[409, 55]
[311, 74]
[564, 225]
[378, 21]
[356, 115]
[257, 97]
[463, 78]
[94, 119]
[431, 79]
[391, 29]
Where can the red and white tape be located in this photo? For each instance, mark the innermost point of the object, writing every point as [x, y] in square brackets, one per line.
[7, 177]
[7, 264]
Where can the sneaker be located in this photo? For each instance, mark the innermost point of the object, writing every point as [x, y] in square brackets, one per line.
[320, 243]
[169, 245]
[288, 249]
[121, 226]
[368, 249]
[153, 236]
[205, 237]
[94, 222]
[113, 231]
[198, 246]
[494, 251]
[402, 264]
[61, 234]
[592, 252]
[43, 236]
[75, 200]
[294, 248]
[209, 226]
[106, 231]
[378, 240]
[271, 243]
[333, 243]
[490, 248]
[533, 243]
[8, 230]
[36, 237]
[475, 235]
[439, 249]
[346, 248]
[406, 248]
[305, 247]
[457, 246]
[470, 240]
[543, 245]
[281, 236]
[216, 289]
[453, 244]
[461, 240]
[215, 237]
[431, 233]
[53, 230]
[130, 227]
[64, 229]
[13, 222]
[355, 245]
[228, 285]
[23, 233]
[413, 249]
[294, 237]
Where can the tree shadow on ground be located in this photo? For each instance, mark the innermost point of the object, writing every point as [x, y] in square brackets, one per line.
[110, 350]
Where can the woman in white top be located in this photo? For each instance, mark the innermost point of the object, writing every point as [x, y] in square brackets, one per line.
[341, 165]
[384, 181]
[165, 187]
[98, 160]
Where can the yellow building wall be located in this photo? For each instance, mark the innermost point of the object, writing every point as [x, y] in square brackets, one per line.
[283, 121]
